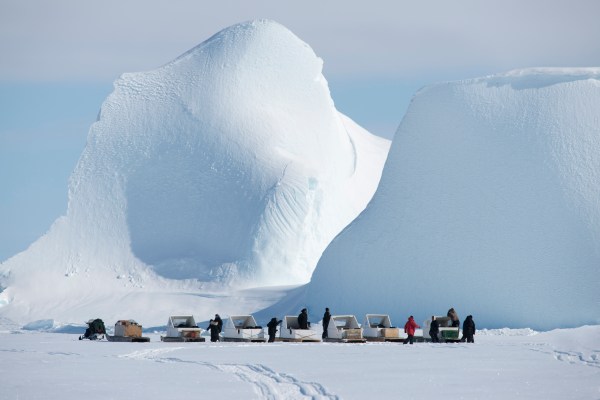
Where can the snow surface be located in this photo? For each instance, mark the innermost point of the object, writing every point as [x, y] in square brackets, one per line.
[228, 167]
[489, 202]
[502, 364]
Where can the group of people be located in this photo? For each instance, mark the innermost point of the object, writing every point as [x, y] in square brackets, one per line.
[303, 323]
[216, 325]
[468, 327]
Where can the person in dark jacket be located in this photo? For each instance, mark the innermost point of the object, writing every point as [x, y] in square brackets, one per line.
[213, 327]
[454, 317]
[219, 322]
[434, 330]
[326, 318]
[409, 329]
[468, 330]
[303, 319]
[272, 328]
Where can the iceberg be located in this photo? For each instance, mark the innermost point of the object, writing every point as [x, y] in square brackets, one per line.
[229, 166]
[489, 203]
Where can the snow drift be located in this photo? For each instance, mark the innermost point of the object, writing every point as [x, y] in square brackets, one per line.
[489, 202]
[229, 164]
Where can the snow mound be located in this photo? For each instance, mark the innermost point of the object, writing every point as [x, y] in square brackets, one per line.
[489, 203]
[507, 332]
[228, 165]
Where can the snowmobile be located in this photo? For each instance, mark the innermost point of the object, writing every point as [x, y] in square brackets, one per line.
[95, 330]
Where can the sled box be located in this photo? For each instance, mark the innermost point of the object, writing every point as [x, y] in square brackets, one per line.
[190, 334]
[390, 332]
[352, 333]
[128, 328]
[450, 334]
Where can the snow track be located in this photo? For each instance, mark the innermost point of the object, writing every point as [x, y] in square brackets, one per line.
[572, 357]
[578, 358]
[266, 382]
[270, 384]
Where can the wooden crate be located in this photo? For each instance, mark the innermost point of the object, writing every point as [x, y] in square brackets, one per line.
[390, 332]
[128, 329]
[352, 334]
[190, 334]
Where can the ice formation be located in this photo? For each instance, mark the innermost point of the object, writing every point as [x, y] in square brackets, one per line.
[229, 164]
[489, 203]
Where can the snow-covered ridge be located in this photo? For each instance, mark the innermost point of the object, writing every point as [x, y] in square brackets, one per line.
[489, 203]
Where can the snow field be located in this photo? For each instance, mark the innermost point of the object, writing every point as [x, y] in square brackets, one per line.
[552, 365]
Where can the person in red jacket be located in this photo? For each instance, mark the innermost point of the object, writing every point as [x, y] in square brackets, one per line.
[409, 329]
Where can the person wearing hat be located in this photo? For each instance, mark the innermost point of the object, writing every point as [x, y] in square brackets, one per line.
[213, 328]
[303, 319]
[434, 330]
[272, 328]
[326, 318]
[454, 317]
[409, 329]
[468, 330]
[219, 322]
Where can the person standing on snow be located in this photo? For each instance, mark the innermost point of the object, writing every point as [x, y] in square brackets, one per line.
[434, 330]
[326, 318]
[213, 327]
[454, 317]
[219, 322]
[409, 329]
[303, 319]
[272, 328]
[468, 330]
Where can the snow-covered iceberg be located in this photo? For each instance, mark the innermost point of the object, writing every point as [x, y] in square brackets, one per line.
[230, 164]
[489, 203]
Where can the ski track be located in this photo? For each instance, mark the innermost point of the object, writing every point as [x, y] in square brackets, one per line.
[267, 383]
[50, 353]
[578, 358]
[572, 357]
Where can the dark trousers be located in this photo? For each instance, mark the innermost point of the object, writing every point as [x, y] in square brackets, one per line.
[409, 339]
[434, 337]
[468, 338]
[271, 338]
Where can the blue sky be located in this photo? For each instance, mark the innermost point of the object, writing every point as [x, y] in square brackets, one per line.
[59, 59]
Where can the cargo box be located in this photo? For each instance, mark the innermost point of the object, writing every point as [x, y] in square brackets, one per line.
[390, 332]
[128, 328]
